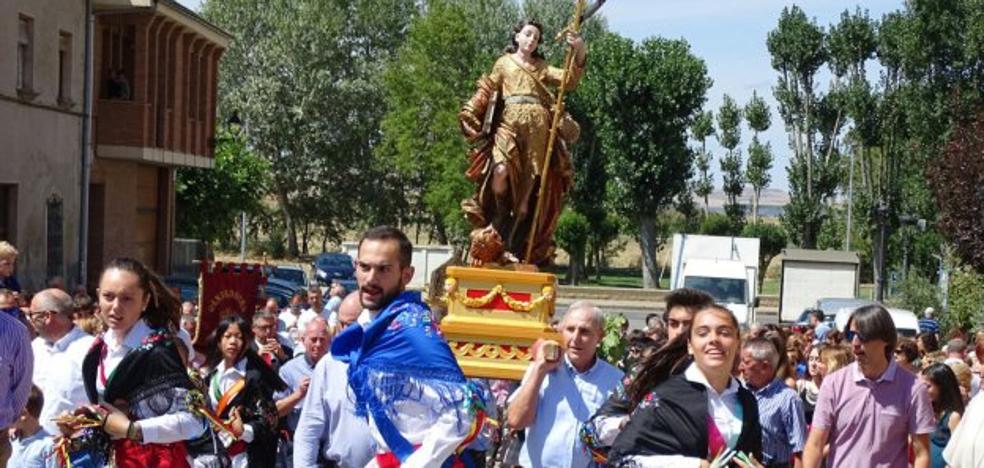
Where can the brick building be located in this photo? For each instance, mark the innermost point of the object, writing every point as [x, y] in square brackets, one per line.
[155, 68]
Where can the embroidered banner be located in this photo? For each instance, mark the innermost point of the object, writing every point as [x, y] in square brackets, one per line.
[224, 289]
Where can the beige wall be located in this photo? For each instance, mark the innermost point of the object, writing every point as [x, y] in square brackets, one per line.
[50, 18]
[39, 140]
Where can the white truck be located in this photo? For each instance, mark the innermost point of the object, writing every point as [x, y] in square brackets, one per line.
[724, 267]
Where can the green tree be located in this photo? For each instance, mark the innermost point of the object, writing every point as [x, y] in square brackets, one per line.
[759, 119]
[209, 201]
[798, 50]
[729, 135]
[703, 128]
[965, 303]
[717, 224]
[433, 72]
[772, 239]
[304, 76]
[653, 91]
[572, 235]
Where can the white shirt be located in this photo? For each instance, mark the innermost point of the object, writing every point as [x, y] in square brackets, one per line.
[305, 317]
[164, 429]
[288, 319]
[966, 446]
[223, 379]
[723, 408]
[437, 434]
[58, 373]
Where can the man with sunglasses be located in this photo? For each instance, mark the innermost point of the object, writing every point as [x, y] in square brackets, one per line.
[58, 353]
[869, 410]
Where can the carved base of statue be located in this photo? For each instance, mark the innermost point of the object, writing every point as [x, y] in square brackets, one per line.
[495, 316]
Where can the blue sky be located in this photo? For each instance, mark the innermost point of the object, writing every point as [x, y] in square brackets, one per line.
[730, 36]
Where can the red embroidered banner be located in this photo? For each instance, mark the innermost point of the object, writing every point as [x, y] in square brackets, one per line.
[225, 289]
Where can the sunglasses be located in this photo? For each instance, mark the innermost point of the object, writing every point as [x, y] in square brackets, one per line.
[849, 336]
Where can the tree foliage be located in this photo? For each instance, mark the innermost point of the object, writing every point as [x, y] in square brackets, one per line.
[701, 130]
[573, 231]
[759, 118]
[729, 135]
[651, 93]
[303, 75]
[772, 239]
[209, 201]
[798, 50]
[958, 183]
[433, 72]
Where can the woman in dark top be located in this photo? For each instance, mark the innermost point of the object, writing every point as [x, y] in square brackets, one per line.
[695, 414]
[135, 372]
[240, 392]
[948, 405]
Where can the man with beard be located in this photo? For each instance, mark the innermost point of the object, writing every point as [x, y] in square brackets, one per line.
[869, 410]
[401, 371]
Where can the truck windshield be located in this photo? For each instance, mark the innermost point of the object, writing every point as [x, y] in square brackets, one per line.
[723, 290]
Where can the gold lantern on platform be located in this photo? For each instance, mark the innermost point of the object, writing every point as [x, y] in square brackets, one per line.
[495, 316]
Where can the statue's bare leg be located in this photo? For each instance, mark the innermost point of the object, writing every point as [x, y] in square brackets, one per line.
[502, 219]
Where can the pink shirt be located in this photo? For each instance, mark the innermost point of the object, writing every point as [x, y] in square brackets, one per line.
[869, 421]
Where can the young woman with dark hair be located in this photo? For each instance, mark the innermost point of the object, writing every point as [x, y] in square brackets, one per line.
[685, 404]
[240, 392]
[135, 374]
[948, 406]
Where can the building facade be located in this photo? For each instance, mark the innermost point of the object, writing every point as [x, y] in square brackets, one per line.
[155, 69]
[41, 93]
[156, 72]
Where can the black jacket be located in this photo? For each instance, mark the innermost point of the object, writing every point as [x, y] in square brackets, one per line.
[677, 424]
[258, 409]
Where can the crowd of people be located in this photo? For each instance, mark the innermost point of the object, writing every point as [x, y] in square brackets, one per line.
[366, 379]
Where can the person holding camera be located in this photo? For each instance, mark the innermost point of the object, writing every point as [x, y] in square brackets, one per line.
[265, 340]
[561, 390]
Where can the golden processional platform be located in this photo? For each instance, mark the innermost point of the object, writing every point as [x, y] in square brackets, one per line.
[495, 316]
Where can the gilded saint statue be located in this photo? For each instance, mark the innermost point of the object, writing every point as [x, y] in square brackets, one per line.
[509, 122]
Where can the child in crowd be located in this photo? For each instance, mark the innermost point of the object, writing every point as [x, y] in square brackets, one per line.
[32, 445]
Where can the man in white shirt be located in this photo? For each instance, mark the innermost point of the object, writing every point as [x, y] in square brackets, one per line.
[312, 311]
[557, 396]
[58, 353]
[328, 429]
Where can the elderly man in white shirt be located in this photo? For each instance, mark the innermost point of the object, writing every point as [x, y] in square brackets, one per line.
[58, 353]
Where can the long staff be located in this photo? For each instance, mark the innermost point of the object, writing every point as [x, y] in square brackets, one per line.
[575, 27]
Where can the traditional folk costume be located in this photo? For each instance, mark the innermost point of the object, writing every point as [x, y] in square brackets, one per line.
[421, 409]
[144, 375]
[685, 418]
[249, 385]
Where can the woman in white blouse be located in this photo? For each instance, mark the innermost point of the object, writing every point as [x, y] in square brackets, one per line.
[135, 374]
[687, 408]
